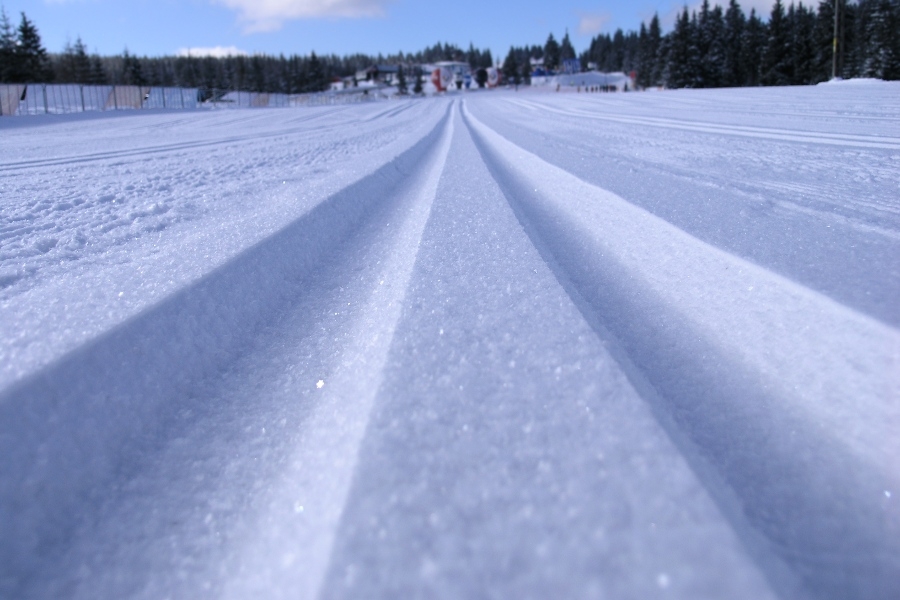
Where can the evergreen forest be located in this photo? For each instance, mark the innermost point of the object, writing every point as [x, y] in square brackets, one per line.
[713, 46]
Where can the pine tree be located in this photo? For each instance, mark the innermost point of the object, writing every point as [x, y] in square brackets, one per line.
[566, 51]
[693, 68]
[315, 74]
[711, 38]
[525, 68]
[487, 60]
[824, 37]
[97, 74]
[892, 67]
[618, 51]
[510, 67]
[645, 60]
[881, 33]
[257, 75]
[678, 60]
[551, 53]
[656, 51]
[297, 74]
[31, 63]
[753, 45]
[599, 51]
[418, 87]
[733, 69]
[472, 56]
[7, 48]
[803, 46]
[702, 42]
[632, 55]
[81, 63]
[401, 81]
[776, 59]
[74, 65]
[132, 72]
[852, 41]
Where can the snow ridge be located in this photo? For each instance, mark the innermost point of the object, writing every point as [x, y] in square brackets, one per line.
[69, 430]
[762, 371]
[520, 345]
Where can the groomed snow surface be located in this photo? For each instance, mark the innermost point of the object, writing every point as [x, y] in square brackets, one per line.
[493, 345]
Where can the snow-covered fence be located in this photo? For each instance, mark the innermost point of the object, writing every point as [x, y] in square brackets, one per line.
[40, 98]
[238, 99]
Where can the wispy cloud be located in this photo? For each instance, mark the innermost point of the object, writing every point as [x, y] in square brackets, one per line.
[592, 23]
[270, 15]
[214, 51]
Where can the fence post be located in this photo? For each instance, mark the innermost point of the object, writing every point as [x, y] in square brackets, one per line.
[115, 99]
[44, 90]
[81, 87]
[164, 97]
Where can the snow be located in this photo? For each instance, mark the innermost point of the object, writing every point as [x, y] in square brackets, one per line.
[508, 344]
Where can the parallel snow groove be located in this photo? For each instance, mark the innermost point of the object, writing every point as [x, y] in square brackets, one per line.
[324, 461]
[69, 430]
[833, 139]
[762, 392]
[160, 149]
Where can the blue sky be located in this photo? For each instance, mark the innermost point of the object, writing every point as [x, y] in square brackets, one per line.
[156, 27]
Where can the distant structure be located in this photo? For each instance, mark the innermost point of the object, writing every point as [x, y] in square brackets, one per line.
[446, 75]
[587, 81]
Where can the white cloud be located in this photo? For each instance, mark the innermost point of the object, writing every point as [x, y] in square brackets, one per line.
[270, 15]
[214, 51]
[592, 23]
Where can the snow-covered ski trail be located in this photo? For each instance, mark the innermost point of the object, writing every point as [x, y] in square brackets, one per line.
[182, 213]
[763, 370]
[132, 418]
[473, 479]
[786, 135]
[499, 345]
[827, 217]
[318, 473]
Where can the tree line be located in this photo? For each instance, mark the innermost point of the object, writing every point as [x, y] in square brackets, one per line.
[710, 47]
[723, 47]
[23, 59]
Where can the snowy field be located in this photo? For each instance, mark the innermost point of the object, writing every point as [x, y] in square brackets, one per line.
[493, 345]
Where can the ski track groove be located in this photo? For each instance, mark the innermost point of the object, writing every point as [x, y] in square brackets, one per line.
[615, 279]
[210, 314]
[834, 139]
[755, 426]
[162, 149]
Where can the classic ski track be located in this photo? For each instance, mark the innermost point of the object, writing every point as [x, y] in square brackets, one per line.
[595, 236]
[62, 440]
[166, 148]
[444, 392]
[834, 139]
[358, 376]
[588, 102]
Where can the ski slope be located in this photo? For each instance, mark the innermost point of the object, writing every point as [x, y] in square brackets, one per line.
[502, 345]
